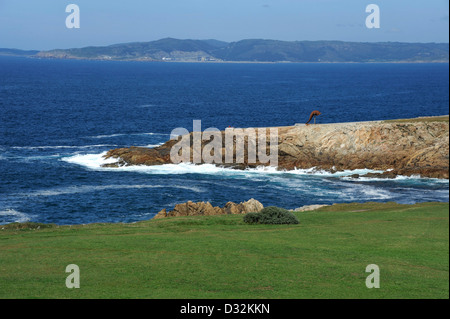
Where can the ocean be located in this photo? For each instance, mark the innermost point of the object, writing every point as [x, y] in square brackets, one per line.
[58, 117]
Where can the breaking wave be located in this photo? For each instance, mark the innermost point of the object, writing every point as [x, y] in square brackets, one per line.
[99, 188]
[125, 134]
[95, 162]
[62, 146]
[13, 216]
[152, 145]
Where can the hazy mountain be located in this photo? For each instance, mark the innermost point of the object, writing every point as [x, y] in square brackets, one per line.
[331, 51]
[16, 52]
[216, 43]
[257, 50]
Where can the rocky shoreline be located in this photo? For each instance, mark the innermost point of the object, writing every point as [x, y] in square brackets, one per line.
[206, 209]
[398, 147]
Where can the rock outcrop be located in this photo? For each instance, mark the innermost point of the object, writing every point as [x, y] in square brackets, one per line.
[399, 147]
[206, 209]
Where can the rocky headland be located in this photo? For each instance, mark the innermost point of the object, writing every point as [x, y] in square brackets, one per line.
[398, 147]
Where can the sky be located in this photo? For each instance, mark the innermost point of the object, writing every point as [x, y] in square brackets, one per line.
[41, 24]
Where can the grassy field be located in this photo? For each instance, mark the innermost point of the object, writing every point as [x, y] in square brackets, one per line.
[443, 118]
[325, 256]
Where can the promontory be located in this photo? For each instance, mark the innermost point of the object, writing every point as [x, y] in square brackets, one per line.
[408, 147]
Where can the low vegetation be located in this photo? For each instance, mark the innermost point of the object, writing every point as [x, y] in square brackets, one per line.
[26, 226]
[325, 256]
[443, 118]
[271, 215]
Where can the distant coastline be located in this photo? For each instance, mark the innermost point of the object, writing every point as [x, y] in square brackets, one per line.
[244, 62]
[251, 51]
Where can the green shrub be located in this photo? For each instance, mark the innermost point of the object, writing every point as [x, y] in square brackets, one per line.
[251, 218]
[271, 215]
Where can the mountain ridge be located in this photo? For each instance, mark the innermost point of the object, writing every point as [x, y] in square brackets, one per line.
[254, 50]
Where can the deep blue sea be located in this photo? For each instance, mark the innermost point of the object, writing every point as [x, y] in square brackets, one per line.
[57, 118]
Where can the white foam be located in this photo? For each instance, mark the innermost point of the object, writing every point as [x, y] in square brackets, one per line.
[124, 134]
[397, 178]
[63, 146]
[92, 161]
[376, 193]
[182, 168]
[105, 136]
[33, 158]
[163, 134]
[95, 162]
[319, 172]
[15, 216]
[151, 145]
[100, 188]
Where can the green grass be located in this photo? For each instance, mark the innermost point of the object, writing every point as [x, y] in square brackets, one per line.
[443, 118]
[324, 256]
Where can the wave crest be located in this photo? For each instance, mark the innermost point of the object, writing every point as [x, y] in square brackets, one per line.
[13, 216]
[95, 162]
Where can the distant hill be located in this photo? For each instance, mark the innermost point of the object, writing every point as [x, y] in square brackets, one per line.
[167, 49]
[16, 52]
[332, 51]
[258, 50]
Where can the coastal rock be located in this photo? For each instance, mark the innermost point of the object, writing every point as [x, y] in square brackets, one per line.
[252, 205]
[162, 213]
[206, 209]
[398, 147]
[308, 208]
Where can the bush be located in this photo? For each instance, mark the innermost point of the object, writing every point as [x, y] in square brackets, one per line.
[271, 215]
[251, 218]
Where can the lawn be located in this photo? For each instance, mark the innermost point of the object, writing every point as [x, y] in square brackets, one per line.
[325, 256]
[443, 118]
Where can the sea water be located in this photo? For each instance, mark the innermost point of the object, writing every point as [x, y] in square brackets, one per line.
[59, 117]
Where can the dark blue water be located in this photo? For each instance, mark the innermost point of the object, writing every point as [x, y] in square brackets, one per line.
[57, 117]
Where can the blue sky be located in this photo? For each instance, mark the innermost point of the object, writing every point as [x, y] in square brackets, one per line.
[40, 24]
